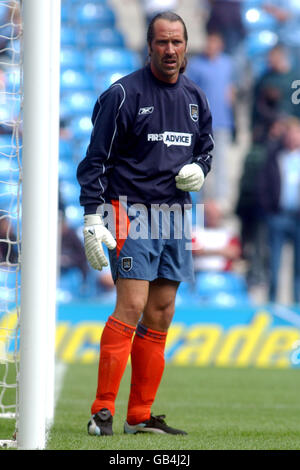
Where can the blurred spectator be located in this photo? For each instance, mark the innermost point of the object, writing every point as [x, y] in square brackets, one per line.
[251, 217]
[272, 93]
[287, 14]
[72, 254]
[11, 26]
[280, 199]
[212, 70]
[225, 17]
[249, 208]
[8, 246]
[215, 247]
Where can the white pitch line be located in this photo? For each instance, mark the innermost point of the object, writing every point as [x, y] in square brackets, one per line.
[60, 371]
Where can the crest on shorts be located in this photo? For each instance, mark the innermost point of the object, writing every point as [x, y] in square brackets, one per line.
[194, 112]
[127, 263]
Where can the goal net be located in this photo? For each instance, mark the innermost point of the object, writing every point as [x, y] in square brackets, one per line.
[10, 211]
[29, 147]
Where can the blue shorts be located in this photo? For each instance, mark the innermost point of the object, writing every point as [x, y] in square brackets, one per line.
[156, 245]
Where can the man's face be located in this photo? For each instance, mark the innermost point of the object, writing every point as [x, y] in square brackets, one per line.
[214, 45]
[292, 137]
[167, 50]
[278, 61]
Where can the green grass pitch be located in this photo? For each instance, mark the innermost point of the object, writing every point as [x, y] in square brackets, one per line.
[220, 408]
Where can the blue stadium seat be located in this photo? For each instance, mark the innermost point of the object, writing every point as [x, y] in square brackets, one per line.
[259, 43]
[67, 170]
[213, 282]
[185, 294]
[104, 37]
[7, 144]
[9, 149]
[64, 111]
[77, 3]
[5, 141]
[12, 80]
[228, 299]
[69, 191]
[80, 147]
[184, 288]
[10, 110]
[10, 35]
[65, 13]
[14, 49]
[71, 279]
[69, 36]
[9, 169]
[8, 194]
[65, 149]
[69, 6]
[81, 126]
[75, 80]
[9, 277]
[71, 58]
[78, 102]
[4, 13]
[95, 14]
[8, 297]
[102, 81]
[246, 4]
[110, 59]
[74, 215]
[69, 285]
[221, 289]
[256, 19]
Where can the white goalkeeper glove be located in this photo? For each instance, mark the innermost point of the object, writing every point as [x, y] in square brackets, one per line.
[95, 233]
[190, 178]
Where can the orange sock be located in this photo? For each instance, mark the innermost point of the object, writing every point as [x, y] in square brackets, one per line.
[115, 347]
[147, 362]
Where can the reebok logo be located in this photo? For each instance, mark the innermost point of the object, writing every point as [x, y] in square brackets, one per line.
[146, 110]
[172, 138]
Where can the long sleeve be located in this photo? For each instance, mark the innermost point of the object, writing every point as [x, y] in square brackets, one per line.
[205, 143]
[93, 170]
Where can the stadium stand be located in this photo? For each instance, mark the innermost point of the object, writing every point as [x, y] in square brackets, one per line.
[94, 55]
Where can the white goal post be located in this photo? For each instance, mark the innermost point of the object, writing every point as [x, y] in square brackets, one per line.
[35, 347]
[41, 49]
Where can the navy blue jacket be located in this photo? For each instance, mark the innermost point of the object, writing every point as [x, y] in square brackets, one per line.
[144, 132]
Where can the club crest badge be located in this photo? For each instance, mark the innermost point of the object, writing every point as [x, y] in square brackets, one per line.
[127, 263]
[194, 112]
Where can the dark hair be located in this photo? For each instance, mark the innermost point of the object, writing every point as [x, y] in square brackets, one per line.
[169, 16]
[165, 15]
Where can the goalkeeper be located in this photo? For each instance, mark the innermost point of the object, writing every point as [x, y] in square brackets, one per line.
[151, 144]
